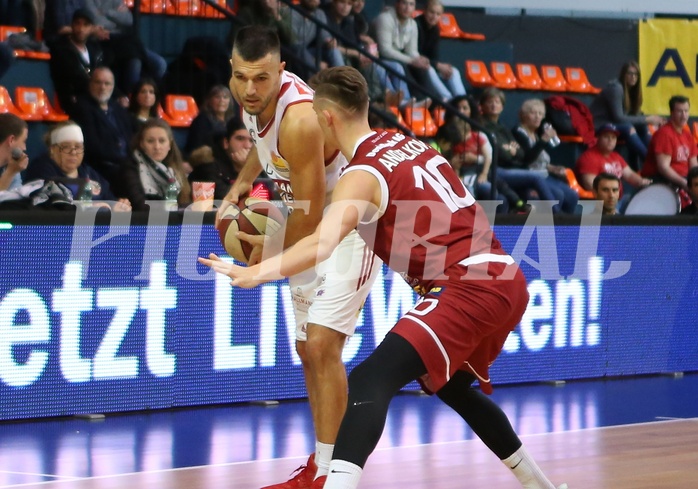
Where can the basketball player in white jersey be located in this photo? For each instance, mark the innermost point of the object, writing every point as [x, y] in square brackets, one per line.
[289, 145]
[415, 213]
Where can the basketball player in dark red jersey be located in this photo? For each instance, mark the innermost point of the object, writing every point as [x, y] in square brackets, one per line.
[414, 212]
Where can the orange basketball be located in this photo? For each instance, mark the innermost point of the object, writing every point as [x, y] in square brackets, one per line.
[252, 216]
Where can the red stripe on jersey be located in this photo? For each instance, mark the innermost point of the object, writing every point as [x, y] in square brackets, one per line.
[367, 261]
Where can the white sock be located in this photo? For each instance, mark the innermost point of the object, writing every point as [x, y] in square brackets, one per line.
[343, 475]
[323, 455]
[527, 471]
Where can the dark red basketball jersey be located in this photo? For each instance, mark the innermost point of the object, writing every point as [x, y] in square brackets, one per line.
[428, 223]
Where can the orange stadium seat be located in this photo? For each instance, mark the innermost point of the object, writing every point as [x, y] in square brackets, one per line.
[7, 105]
[181, 109]
[34, 102]
[163, 115]
[439, 116]
[419, 120]
[553, 79]
[571, 138]
[398, 115]
[7, 30]
[155, 6]
[528, 76]
[574, 185]
[578, 81]
[184, 8]
[477, 75]
[503, 75]
[448, 27]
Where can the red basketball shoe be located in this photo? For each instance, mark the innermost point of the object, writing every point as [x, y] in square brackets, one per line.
[303, 478]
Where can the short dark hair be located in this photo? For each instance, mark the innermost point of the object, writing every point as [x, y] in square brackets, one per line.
[233, 125]
[692, 175]
[678, 99]
[85, 14]
[254, 42]
[11, 125]
[344, 85]
[604, 176]
[449, 132]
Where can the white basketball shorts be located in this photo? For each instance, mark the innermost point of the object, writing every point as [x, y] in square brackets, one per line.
[333, 293]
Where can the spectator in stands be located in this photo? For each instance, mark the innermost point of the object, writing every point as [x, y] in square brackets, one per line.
[144, 101]
[397, 36]
[222, 163]
[107, 126]
[217, 110]
[132, 60]
[607, 189]
[620, 103]
[58, 16]
[315, 46]
[672, 151]
[362, 25]
[269, 13]
[603, 158]
[511, 168]
[470, 154]
[13, 146]
[443, 78]
[341, 21]
[692, 208]
[63, 162]
[155, 159]
[73, 57]
[535, 139]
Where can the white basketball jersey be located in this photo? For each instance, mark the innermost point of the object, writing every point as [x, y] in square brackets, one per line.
[293, 91]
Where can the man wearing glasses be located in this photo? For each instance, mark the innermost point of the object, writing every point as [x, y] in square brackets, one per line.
[63, 162]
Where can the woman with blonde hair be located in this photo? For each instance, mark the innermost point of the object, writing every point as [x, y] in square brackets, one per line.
[155, 161]
[620, 103]
[535, 139]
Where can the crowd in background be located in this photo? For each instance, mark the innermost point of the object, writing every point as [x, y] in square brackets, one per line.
[111, 86]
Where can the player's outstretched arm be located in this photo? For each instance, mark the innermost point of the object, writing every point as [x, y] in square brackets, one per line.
[357, 195]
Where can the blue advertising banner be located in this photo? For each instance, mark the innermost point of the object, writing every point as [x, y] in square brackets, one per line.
[97, 319]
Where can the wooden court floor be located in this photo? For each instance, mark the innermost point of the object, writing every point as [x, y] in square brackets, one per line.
[585, 445]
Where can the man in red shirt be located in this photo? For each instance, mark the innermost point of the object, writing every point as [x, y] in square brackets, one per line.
[603, 158]
[414, 212]
[672, 150]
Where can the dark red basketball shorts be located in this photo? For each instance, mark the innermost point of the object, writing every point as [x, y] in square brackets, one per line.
[463, 324]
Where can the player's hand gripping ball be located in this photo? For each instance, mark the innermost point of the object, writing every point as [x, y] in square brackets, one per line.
[252, 216]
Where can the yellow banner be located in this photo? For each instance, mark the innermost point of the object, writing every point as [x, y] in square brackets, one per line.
[668, 61]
